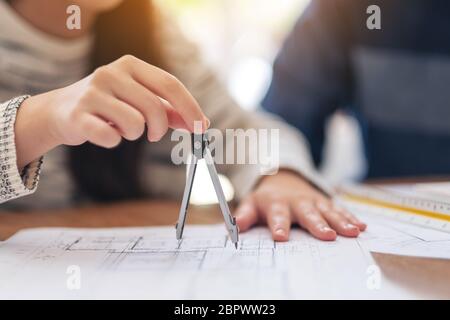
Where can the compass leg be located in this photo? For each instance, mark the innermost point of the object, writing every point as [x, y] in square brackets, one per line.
[230, 221]
[186, 196]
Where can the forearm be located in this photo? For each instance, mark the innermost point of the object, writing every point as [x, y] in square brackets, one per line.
[33, 134]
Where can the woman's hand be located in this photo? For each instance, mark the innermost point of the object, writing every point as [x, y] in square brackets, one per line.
[284, 199]
[116, 101]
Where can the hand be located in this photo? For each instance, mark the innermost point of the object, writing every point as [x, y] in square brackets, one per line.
[116, 101]
[286, 198]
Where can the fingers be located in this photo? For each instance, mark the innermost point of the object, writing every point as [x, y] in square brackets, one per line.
[246, 214]
[169, 88]
[157, 120]
[98, 131]
[147, 103]
[319, 217]
[309, 217]
[278, 218]
[158, 113]
[338, 221]
[361, 225]
[127, 120]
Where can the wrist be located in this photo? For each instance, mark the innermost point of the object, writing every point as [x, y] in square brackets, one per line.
[34, 132]
[41, 108]
[283, 174]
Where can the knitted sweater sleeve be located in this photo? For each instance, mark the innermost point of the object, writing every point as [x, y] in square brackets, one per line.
[14, 183]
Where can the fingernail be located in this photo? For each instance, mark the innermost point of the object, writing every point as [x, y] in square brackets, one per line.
[207, 123]
[280, 232]
[326, 229]
[350, 226]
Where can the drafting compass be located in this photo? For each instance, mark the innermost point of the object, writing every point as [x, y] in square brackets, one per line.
[200, 150]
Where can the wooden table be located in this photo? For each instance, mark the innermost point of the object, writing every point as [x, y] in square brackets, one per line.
[430, 278]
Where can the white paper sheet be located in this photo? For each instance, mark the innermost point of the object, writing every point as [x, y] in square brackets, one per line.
[385, 235]
[147, 263]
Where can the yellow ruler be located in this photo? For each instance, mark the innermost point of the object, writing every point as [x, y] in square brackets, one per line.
[419, 210]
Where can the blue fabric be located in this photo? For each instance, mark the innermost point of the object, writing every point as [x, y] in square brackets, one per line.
[396, 85]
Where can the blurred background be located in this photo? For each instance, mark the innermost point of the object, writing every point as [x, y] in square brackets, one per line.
[240, 44]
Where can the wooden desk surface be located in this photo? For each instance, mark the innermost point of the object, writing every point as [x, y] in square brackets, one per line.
[430, 278]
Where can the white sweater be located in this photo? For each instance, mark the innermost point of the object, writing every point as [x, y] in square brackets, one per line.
[32, 62]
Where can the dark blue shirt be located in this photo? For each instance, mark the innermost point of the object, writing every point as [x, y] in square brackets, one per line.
[395, 80]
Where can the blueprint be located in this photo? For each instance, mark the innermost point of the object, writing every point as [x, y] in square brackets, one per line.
[149, 263]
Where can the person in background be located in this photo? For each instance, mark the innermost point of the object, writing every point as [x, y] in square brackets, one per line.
[394, 80]
[93, 93]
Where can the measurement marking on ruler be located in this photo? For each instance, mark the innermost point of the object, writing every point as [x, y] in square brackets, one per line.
[416, 211]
